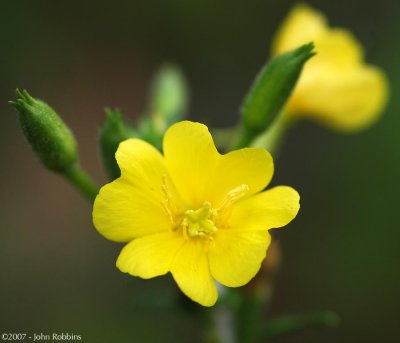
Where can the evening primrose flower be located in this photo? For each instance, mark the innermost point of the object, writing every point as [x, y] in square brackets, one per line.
[336, 87]
[193, 212]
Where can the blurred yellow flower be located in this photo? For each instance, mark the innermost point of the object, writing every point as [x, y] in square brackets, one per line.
[193, 212]
[336, 87]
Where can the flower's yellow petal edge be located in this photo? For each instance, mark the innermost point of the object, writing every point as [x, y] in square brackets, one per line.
[201, 174]
[273, 208]
[336, 87]
[130, 206]
[191, 272]
[236, 257]
[237, 251]
[151, 255]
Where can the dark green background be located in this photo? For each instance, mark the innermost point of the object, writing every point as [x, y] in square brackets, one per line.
[58, 275]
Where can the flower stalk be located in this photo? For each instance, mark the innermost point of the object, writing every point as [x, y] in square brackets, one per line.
[272, 138]
[82, 182]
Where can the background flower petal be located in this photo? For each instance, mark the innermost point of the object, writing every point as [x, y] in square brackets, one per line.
[151, 255]
[333, 45]
[191, 157]
[302, 25]
[341, 98]
[130, 206]
[337, 47]
[236, 257]
[336, 87]
[273, 208]
[191, 272]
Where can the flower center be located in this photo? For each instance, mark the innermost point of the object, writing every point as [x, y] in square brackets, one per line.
[206, 220]
[199, 223]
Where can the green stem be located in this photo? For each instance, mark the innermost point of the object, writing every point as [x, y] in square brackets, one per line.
[272, 138]
[250, 317]
[82, 182]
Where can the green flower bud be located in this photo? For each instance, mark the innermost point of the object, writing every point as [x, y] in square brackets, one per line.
[270, 91]
[168, 97]
[112, 132]
[47, 134]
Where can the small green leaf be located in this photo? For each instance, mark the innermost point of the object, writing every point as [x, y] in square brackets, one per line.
[112, 132]
[47, 134]
[291, 324]
[270, 91]
[168, 97]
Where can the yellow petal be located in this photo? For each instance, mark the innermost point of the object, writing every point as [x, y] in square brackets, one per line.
[151, 255]
[273, 208]
[302, 25]
[141, 164]
[250, 166]
[201, 174]
[347, 100]
[337, 48]
[191, 158]
[190, 270]
[236, 256]
[131, 206]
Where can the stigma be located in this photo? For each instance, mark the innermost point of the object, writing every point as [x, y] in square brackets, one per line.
[200, 222]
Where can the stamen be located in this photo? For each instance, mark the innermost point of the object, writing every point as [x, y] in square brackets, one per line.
[233, 196]
[166, 207]
[169, 204]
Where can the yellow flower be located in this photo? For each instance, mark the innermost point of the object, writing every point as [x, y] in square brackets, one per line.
[336, 87]
[193, 212]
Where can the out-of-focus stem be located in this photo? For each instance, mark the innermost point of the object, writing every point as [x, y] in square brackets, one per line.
[256, 296]
[224, 324]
